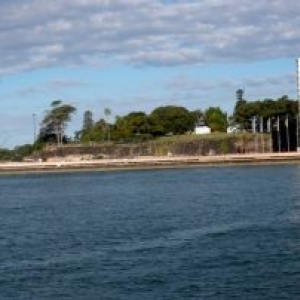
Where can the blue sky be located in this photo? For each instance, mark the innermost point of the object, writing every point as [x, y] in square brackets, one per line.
[139, 54]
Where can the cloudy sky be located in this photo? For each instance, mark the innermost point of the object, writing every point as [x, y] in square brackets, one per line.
[138, 54]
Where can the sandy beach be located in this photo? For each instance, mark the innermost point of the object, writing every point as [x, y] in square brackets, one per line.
[59, 164]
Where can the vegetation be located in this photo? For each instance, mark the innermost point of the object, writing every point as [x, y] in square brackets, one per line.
[244, 111]
[16, 154]
[216, 119]
[55, 122]
[169, 123]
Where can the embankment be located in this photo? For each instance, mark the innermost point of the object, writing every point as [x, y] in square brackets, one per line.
[149, 162]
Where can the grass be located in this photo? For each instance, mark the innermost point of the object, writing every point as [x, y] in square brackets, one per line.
[211, 136]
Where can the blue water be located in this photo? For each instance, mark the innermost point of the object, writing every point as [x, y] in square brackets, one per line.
[207, 233]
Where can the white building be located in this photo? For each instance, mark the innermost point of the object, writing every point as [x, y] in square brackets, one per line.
[233, 129]
[202, 129]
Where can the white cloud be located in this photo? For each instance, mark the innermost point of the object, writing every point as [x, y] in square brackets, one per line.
[184, 83]
[38, 33]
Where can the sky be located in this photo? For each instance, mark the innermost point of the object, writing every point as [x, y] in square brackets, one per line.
[136, 55]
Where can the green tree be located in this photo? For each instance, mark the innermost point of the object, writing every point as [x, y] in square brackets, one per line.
[197, 115]
[107, 113]
[56, 119]
[244, 111]
[241, 114]
[88, 121]
[171, 119]
[135, 125]
[6, 154]
[216, 119]
[22, 151]
[87, 126]
[97, 133]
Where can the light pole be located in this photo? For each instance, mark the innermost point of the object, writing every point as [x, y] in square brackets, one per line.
[287, 132]
[278, 134]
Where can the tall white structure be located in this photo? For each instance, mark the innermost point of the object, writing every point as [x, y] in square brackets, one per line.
[298, 95]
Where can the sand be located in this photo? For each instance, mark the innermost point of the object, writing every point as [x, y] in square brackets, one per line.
[59, 164]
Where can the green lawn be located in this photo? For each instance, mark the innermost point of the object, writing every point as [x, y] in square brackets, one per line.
[211, 136]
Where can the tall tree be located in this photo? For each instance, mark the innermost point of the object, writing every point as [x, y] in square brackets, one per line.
[57, 118]
[87, 127]
[107, 113]
[88, 121]
[241, 114]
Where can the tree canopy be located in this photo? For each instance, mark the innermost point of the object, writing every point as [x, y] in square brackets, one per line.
[163, 120]
[216, 119]
[55, 121]
[244, 111]
[171, 119]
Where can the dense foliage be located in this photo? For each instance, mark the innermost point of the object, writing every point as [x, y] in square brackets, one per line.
[162, 121]
[244, 111]
[55, 122]
[16, 154]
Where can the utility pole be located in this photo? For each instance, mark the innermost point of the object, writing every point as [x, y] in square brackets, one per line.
[261, 129]
[254, 132]
[278, 134]
[287, 131]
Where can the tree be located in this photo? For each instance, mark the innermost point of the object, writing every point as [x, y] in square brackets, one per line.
[22, 151]
[241, 114]
[268, 108]
[135, 125]
[87, 126]
[97, 133]
[171, 119]
[56, 119]
[107, 113]
[197, 117]
[88, 122]
[216, 119]
[6, 154]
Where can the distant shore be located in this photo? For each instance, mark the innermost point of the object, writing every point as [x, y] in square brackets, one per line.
[142, 162]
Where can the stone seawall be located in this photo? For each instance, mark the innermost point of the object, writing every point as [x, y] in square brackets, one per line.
[193, 147]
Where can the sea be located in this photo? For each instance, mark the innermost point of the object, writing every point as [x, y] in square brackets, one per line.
[230, 232]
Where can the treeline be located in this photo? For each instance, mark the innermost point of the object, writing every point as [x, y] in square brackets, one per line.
[16, 154]
[244, 111]
[162, 121]
[135, 126]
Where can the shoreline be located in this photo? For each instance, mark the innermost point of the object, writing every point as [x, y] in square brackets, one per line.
[144, 163]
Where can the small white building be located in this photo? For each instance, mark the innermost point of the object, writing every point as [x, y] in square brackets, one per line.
[202, 129]
[233, 129]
